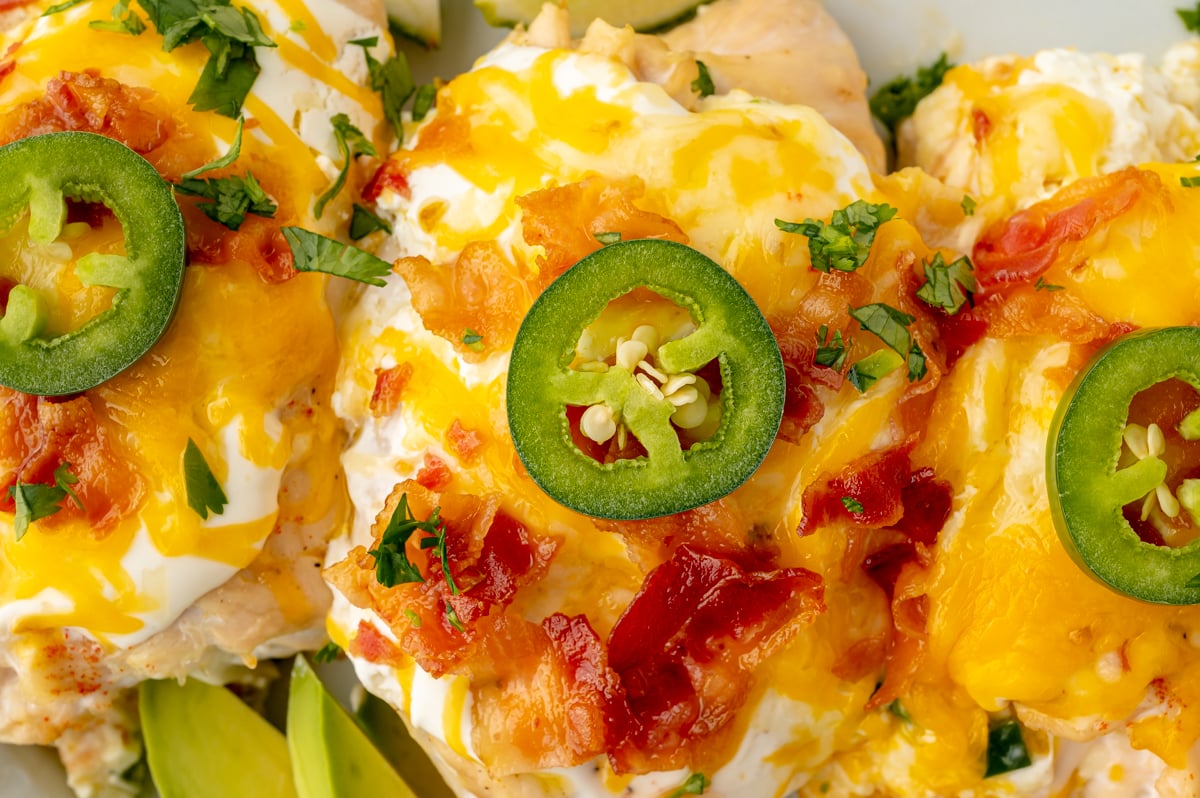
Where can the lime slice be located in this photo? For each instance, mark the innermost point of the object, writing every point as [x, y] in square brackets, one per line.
[331, 756]
[643, 15]
[203, 742]
[420, 20]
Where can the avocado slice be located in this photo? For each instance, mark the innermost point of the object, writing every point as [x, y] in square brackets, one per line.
[392, 738]
[331, 756]
[203, 742]
[643, 15]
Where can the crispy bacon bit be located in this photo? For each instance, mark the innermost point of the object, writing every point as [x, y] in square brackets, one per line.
[687, 646]
[389, 386]
[1021, 248]
[1023, 310]
[873, 481]
[981, 125]
[802, 408]
[927, 503]
[566, 219]
[86, 101]
[259, 242]
[388, 176]
[37, 435]
[717, 527]
[480, 291]
[464, 442]
[883, 565]
[434, 474]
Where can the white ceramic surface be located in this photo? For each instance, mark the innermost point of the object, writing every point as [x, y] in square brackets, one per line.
[893, 36]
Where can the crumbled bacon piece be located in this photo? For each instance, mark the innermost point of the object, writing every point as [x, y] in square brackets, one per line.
[259, 242]
[565, 221]
[873, 482]
[85, 101]
[389, 386]
[38, 434]
[464, 442]
[686, 648]
[434, 474]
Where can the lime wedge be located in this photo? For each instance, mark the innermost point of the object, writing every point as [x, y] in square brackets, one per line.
[643, 15]
[331, 755]
[203, 742]
[420, 20]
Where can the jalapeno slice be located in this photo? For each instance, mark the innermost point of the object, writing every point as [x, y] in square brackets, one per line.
[39, 173]
[1088, 483]
[668, 478]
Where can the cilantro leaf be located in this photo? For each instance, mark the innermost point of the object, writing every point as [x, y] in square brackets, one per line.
[363, 222]
[327, 653]
[230, 198]
[844, 242]
[1189, 182]
[34, 502]
[472, 340]
[64, 480]
[830, 353]
[392, 79]
[872, 368]
[204, 493]
[898, 98]
[696, 784]
[317, 253]
[351, 144]
[123, 21]
[438, 544]
[225, 92]
[423, 101]
[235, 150]
[703, 85]
[1006, 750]
[392, 566]
[948, 287]
[1042, 285]
[968, 205]
[413, 618]
[1190, 18]
[852, 505]
[60, 7]
[608, 238]
[452, 617]
[891, 327]
[897, 709]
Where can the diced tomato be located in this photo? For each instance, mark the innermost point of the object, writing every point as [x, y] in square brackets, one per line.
[388, 176]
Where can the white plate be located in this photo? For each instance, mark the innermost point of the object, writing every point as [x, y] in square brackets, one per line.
[892, 36]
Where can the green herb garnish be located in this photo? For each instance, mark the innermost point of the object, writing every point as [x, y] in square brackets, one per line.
[831, 352]
[312, 252]
[123, 21]
[897, 709]
[872, 368]
[968, 205]
[608, 238]
[363, 222]
[844, 242]
[1189, 182]
[351, 143]
[35, 501]
[696, 784]
[947, 286]
[1042, 285]
[898, 98]
[852, 505]
[703, 84]
[452, 616]
[327, 653]
[891, 327]
[204, 493]
[423, 100]
[392, 79]
[392, 566]
[1006, 750]
[472, 340]
[1190, 18]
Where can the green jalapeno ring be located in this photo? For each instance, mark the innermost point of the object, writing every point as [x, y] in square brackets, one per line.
[1087, 491]
[39, 172]
[668, 479]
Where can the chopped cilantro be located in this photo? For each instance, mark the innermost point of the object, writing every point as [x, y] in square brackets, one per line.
[64, 480]
[235, 151]
[351, 143]
[948, 287]
[830, 353]
[59, 7]
[437, 542]
[897, 709]
[898, 98]
[35, 501]
[204, 493]
[1189, 182]
[1042, 285]
[852, 505]
[363, 222]
[872, 368]
[703, 84]
[313, 252]
[392, 79]
[123, 21]
[413, 618]
[229, 198]
[392, 566]
[472, 340]
[452, 617]
[608, 238]
[423, 100]
[968, 205]
[696, 784]
[891, 327]
[843, 242]
[297, 26]
[1190, 18]
[1006, 750]
[327, 653]
[230, 36]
